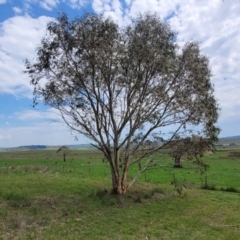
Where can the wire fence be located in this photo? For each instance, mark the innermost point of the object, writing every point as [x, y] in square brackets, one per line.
[187, 177]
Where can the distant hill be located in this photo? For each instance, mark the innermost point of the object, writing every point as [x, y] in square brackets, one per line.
[33, 147]
[42, 147]
[80, 146]
[238, 136]
[231, 140]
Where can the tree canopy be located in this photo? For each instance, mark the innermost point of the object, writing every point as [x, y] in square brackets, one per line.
[65, 150]
[192, 148]
[124, 88]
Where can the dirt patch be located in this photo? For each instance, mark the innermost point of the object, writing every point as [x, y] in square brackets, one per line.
[29, 168]
[45, 202]
[158, 196]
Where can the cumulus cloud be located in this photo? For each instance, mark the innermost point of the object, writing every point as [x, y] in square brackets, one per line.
[17, 10]
[53, 4]
[76, 4]
[49, 4]
[215, 24]
[29, 115]
[113, 9]
[19, 37]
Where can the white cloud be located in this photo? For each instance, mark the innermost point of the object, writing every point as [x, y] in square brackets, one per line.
[42, 133]
[113, 9]
[76, 4]
[19, 37]
[39, 127]
[49, 4]
[215, 24]
[27, 127]
[48, 115]
[53, 4]
[17, 10]
[5, 137]
[116, 10]
[3, 1]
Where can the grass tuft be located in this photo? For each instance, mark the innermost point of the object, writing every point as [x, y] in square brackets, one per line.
[211, 187]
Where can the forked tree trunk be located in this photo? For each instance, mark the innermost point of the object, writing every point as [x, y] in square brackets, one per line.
[119, 187]
[119, 184]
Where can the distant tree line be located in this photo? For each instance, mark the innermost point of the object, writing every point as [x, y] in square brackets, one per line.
[33, 147]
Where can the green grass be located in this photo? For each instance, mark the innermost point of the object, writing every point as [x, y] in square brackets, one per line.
[41, 197]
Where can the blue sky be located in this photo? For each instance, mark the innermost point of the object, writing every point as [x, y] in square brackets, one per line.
[215, 24]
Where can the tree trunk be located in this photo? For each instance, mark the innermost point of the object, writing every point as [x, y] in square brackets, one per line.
[177, 162]
[119, 185]
[119, 169]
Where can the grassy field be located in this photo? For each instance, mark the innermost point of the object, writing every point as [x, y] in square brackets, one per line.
[42, 197]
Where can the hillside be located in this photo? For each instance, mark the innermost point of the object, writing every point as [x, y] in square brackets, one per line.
[46, 147]
[231, 140]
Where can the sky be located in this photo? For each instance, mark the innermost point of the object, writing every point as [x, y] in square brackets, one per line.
[215, 24]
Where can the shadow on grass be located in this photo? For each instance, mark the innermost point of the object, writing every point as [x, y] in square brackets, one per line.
[107, 198]
[224, 189]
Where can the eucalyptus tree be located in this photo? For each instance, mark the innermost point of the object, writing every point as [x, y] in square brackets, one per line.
[65, 151]
[191, 148]
[123, 87]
